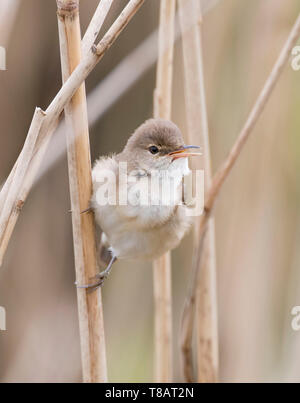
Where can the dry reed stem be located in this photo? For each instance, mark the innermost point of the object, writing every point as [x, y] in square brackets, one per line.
[162, 266]
[93, 354]
[21, 169]
[12, 196]
[95, 25]
[7, 183]
[223, 172]
[207, 339]
[25, 188]
[162, 319]
[87, 64]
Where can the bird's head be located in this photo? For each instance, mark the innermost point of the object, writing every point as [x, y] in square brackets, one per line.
[157, 145]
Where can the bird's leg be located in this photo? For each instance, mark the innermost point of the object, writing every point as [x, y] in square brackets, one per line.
[106, 272]
[99, 278]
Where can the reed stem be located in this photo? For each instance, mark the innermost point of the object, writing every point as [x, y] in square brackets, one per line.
[162, 266]
[198, 133]
[93, 354]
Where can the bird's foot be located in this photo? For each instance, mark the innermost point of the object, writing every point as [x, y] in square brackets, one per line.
[98, 280]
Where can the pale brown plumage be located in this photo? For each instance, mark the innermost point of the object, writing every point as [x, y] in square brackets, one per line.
[145, 231]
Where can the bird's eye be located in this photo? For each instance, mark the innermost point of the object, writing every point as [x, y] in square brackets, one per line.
[153, 149]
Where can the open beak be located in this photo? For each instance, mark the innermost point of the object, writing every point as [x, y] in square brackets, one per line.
[181, 153]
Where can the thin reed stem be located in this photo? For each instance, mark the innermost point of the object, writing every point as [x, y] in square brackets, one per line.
[95, 25]
[162, 266]
[25, 158]
[12, 196]
[195, 99]
[25, 188]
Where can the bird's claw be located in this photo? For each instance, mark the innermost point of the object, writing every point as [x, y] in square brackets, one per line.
[99, 278]
[98, 281]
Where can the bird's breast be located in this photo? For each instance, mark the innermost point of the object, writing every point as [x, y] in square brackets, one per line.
[150, 222]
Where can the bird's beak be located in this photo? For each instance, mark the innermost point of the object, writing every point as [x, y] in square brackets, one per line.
[181, 152]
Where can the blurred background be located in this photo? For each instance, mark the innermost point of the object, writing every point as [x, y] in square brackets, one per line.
[257, 214]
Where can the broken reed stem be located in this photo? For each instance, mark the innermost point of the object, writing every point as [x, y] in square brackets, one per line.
[87, 64]
[6, 186]
[162, 266]
[195, 100]
[25, 188]
[21, 168]
[224, 170]
[12, 195]
[93, 354]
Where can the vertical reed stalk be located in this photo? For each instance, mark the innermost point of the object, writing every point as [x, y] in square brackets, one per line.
[196, 112]
[93, 352]
[162, 266]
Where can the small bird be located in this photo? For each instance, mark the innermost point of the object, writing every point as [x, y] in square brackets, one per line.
[136, 230]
